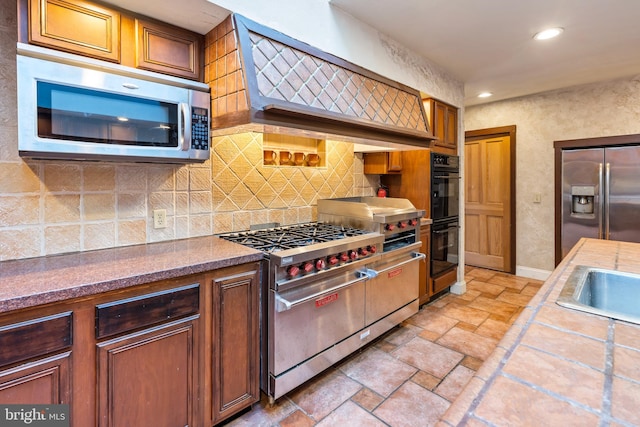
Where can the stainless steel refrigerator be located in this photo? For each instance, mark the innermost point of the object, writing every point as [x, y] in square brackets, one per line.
[600, 195]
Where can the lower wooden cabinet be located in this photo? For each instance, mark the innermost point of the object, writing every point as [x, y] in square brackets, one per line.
[235, 350]
[178, 352]
[35, 359]
[149, 378]
[40, 382]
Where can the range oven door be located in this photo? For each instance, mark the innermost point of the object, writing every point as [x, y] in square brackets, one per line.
[393, 282]
[444, 246]
[308, 319]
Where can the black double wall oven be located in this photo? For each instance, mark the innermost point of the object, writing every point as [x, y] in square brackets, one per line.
[445, 202]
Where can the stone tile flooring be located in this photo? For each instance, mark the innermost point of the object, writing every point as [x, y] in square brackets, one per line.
[410, 375]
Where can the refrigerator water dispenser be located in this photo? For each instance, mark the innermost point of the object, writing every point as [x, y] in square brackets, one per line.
[582, 197]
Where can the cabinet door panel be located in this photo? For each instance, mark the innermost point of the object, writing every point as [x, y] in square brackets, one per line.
[76, 26]
[235, 344]
[45, 381]
[167, 49]
[148, 378]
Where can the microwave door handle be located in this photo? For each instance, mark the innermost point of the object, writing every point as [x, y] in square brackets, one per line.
[185, 126]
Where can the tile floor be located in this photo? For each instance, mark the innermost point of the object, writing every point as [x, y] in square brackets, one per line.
[409, 376]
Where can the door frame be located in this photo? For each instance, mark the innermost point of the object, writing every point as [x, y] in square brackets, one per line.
[509, 131]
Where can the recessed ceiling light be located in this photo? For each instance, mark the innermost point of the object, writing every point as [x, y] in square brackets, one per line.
[484, 95]
[548, 33]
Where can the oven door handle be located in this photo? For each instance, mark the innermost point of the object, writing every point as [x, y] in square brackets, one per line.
[370, 273]
[444, 231]
[283, 304]
[448, 176]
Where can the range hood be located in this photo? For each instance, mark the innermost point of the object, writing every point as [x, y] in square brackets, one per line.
[262, 80]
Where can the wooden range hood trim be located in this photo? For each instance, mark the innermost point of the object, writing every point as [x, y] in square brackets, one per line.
[310, 112]
[282, 113]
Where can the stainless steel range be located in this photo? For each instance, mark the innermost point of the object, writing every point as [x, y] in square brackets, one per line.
[324, 295]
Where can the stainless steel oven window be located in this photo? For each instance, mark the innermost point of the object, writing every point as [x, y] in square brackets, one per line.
[444, 247]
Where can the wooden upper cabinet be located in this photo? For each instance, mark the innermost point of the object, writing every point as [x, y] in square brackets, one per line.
[167, 49]
[75, 26]
[444, 122]
[383, 162]
[90, 29]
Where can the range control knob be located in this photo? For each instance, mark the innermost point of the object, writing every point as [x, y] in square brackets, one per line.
[344, 257]
[293, 270]
[353, 255]
[320, 264]
[402, 224]
[372, 249]
[363, 251]
[332, 260]
[307, 267]
[389, 227]
[413, 222]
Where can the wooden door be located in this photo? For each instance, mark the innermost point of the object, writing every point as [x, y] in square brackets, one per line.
[488, 183]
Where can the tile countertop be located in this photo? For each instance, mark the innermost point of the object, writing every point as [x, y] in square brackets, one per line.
[35, 281]
[557, 366]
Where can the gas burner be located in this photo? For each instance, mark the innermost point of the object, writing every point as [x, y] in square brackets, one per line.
[271, 240]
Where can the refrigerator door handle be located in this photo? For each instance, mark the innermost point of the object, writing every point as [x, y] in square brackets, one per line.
[607, 192]
[600, 201]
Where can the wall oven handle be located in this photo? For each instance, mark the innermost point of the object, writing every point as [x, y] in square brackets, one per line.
[185, 131]
[372, 274]
[283, 304]
[448, 176]
[444, 231]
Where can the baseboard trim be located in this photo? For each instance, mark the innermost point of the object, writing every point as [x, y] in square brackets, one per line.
[532, 273]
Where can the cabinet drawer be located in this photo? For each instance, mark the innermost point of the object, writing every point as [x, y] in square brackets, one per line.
[133, 313]
[37, 337]
[444, 281]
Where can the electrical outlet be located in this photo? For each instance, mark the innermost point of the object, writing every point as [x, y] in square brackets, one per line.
[160, 218]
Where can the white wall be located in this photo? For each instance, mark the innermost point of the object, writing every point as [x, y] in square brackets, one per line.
[603, 109]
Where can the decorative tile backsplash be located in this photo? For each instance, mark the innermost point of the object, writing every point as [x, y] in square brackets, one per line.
[50, 207]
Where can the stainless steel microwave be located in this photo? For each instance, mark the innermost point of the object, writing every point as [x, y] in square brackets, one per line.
[71, 107]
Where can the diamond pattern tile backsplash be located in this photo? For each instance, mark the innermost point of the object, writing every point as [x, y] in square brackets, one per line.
[247, 192]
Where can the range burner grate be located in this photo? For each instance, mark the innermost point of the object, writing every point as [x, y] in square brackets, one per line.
[294, 236]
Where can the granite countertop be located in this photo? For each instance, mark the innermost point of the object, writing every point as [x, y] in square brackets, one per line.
[35, 281]
[558, 366]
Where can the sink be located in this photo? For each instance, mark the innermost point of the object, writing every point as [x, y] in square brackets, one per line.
[603, 292]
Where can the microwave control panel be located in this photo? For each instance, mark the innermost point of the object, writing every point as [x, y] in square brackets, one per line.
[199, 128]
